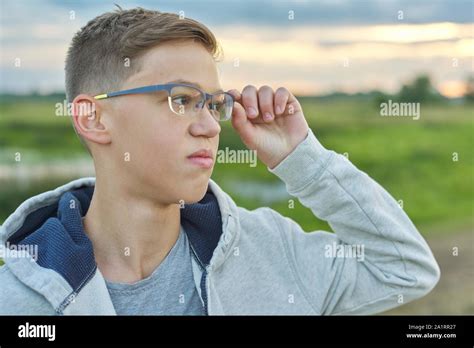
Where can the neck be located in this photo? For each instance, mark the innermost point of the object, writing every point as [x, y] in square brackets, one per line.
[130, 235]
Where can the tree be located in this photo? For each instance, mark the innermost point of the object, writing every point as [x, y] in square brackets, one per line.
[469, 95]
[420, 90]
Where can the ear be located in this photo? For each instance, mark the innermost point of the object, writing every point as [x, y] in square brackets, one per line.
[87, 117]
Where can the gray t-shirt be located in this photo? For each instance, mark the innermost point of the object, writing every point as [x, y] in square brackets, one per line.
[169, 290]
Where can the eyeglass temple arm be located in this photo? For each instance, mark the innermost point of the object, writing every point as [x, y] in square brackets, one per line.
[146, 89]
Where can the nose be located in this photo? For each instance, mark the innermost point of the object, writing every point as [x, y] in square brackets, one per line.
[204, 124]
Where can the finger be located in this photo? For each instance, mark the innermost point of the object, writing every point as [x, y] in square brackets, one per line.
[235, 94]
[265, 103]
[249, 101]
[281, 98]
[293, 105]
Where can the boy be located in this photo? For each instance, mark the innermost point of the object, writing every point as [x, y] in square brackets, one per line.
[152, 234]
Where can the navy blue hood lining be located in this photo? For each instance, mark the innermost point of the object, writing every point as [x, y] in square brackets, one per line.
[64, 247]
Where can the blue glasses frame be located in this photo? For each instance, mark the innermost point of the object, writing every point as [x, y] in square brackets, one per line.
[168, 87]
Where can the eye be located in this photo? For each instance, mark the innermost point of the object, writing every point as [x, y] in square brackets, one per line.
[213, 105]
[181, 99]
[216, 105]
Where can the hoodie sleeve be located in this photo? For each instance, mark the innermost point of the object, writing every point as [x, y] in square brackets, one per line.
[376, 259]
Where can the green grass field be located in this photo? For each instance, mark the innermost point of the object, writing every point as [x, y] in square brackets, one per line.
[412, 159]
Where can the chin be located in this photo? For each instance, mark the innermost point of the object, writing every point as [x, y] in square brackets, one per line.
[195, 191]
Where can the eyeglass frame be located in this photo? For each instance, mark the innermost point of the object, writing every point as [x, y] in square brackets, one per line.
[164, 87]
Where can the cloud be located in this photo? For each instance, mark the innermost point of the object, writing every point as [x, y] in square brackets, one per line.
[270, 12]
[307, 53]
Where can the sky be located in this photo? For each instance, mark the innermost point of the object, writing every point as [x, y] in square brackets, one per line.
[310, 47]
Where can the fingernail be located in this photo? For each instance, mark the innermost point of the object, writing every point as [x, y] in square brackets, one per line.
[251, 111]
[278, 110]
[267, 116]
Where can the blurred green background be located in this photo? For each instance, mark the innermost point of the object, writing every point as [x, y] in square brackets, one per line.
[415, 160]
[426, 163]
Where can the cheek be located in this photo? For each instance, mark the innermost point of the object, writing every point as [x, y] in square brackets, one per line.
[161, 143]
[146, 126]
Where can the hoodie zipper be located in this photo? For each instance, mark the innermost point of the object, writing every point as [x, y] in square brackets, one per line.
[205, 273]
[72, 296]
[204, 292]
[202, 284]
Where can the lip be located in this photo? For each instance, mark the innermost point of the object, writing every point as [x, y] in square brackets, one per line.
[202, 158]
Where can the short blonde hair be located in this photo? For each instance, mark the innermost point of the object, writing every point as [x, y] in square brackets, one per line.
[96, 60]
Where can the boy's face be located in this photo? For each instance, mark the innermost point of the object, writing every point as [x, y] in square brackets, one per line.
[157, 142]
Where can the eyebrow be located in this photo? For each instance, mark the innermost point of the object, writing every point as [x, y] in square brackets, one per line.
[186, 82]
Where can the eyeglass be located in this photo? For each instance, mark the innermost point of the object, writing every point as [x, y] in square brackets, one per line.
[185, 99]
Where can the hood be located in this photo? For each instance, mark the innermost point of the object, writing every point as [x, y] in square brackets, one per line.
[50, 224]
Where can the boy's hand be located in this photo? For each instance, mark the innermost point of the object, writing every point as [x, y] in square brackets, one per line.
[270, 122]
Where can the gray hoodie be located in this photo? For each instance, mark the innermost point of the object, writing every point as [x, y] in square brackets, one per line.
[245, 262]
